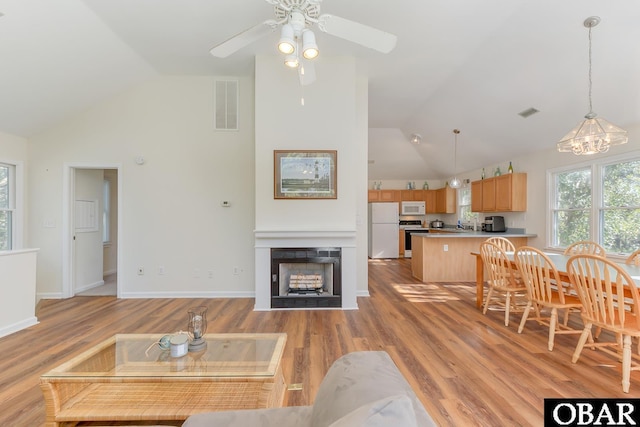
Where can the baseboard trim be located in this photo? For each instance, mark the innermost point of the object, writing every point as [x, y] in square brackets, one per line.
[18, 326]
[89, 286]
[49, 295]
[205, 294]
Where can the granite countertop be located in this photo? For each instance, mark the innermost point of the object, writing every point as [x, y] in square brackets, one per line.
[450, 232]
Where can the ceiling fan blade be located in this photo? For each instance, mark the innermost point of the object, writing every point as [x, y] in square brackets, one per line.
[358, 33]
[244, 38]
[306, 72]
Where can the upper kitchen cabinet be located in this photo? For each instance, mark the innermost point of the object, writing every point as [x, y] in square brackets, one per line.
[430, 201]
[446, 200]
[384, 195]
[504, 193]
[411, 195]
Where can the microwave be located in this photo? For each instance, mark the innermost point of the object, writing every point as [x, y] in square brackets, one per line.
[412, 208]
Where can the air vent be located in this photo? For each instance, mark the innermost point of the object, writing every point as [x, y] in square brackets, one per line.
[528, 112]
[226, 108]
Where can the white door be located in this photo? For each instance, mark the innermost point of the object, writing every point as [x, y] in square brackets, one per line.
[88, 248]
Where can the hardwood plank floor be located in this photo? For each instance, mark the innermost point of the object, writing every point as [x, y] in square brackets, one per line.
[467, 368]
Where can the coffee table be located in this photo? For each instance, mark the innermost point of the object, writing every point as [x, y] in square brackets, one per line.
[119, 380]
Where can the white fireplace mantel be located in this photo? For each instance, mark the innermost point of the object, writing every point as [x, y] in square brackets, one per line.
[267, 239]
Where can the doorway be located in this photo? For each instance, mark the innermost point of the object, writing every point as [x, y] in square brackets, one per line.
[91, 230]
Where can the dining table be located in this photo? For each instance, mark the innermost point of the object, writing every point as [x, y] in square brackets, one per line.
[558, 259]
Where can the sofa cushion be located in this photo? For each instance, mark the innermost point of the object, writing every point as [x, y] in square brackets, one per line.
[390, 411]
[360, 378]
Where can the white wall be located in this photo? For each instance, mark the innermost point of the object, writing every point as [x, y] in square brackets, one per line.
[17, 290]
[334, 117]
[170, 212]
[327, 121]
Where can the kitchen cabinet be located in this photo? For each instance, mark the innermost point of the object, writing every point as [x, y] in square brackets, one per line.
[430, 201]
[504, 193]
[442, 200]
[446, 200]
[411, 195]
[476, 196]
[384, 195]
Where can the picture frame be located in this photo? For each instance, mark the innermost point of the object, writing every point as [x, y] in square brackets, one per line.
[305, 174]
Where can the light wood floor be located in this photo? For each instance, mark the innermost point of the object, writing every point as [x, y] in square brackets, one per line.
[468, 369]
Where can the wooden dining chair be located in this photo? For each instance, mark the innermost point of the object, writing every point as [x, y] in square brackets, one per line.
[502, 242]
[502, 278]
[634, 258]
[610, 301]
[585, 247]
[545, 290]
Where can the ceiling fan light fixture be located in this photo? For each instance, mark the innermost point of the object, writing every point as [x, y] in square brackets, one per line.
[309, 46]
[593, 135]
[416, 138]
[291, 61]
[287, 45]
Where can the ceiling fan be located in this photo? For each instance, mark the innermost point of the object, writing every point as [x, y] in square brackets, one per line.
[297, 17]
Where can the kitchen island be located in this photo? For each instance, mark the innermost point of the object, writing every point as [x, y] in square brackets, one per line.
[444, 256]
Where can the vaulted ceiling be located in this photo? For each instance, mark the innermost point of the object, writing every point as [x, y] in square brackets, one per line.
[467, 64]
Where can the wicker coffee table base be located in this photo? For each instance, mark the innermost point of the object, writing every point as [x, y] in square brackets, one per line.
[166, 399]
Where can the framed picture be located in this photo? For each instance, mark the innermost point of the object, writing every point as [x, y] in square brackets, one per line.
[305, 174]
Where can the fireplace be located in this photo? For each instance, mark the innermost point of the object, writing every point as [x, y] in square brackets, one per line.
[306, 277]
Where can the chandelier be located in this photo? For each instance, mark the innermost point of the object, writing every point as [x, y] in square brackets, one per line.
[595, 134]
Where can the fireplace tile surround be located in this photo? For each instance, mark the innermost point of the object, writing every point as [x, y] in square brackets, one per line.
[266, 240]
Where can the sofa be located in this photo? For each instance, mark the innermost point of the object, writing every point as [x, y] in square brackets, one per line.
[363, 388]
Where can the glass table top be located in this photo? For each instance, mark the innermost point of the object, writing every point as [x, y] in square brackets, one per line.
[139, 355]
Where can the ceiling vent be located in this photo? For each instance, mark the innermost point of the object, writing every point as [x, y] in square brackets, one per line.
[226, 108]
[528, 112]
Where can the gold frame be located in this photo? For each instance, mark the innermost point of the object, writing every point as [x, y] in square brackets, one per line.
[289, 167]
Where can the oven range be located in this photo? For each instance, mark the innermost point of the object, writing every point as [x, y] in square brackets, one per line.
[410, 226]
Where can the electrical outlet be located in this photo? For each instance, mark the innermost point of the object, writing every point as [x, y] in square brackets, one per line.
[236, 271]
[140, 271]
[446, 248]
[161, 270]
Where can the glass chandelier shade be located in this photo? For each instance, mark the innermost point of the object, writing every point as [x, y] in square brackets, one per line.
[593, 135]
[455, 182]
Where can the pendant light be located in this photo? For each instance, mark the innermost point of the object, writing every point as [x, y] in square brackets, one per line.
[455, 182]
[595, 134]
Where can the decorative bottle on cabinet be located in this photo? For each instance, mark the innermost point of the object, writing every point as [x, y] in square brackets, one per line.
[482, 176]
[497, 172]
[510, 170]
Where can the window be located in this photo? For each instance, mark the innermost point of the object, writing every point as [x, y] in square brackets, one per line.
[464, 205]
[7, 206]
[619, 213]
[599, 202]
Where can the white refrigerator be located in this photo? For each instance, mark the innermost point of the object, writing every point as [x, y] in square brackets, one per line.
[383, 230]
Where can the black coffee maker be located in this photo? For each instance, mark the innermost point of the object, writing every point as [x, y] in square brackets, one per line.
[494, 224]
